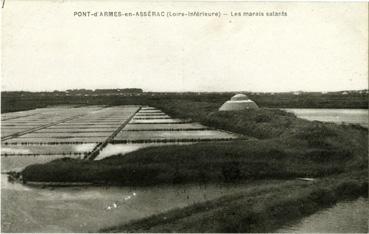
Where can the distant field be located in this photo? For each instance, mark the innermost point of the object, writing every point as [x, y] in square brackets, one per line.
[16, 101]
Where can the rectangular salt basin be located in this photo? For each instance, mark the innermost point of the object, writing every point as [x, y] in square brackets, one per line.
[80, 129]
[112, 114]
[46, 149]
[7, 132]
[41, 116]
[39, 121]
[92, 124]
[50, 140]
[35, 122]
[102, 118]
[163, 126]
[148, 108]
[47, 114]
[60, 136]
[77, 126]
[96, 121]
[74, 130]
[61, 130]
[87, 123]
[6, 127]
[118, 118]
[145, 113]
[150, 111]
[117, 112]
[14, 126]
[22, 116]
[28, 125]
[76, 121]
[17, 163]
[66, 134]
[153, 135]
[157, 121]
[151, 117]
[10, 132]
[27, 118]
[19, 116]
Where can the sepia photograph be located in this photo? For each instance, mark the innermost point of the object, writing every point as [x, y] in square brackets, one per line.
[211, 116]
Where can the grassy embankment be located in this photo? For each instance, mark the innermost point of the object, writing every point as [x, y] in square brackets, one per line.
[262, 209]
[286, 147]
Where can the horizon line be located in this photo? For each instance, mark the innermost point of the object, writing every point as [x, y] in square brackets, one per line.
[191, 91]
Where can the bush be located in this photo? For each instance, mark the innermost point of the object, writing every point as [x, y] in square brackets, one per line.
[349, 189]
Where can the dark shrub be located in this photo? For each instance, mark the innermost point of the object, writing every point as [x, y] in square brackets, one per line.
[231, 171]
[327, 155]
[349, 189]
[323, 197]
[263, 118]
[364, 189]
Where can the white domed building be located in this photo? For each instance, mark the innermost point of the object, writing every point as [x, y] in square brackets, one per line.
[238, 102]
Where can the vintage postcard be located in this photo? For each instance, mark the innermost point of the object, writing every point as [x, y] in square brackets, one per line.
[184, 116]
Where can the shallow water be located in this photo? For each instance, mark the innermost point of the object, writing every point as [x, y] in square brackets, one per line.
[163, 126]
[46, 149]
[88, 209]
[344, 217]
[143, 121]
[353, 116]
[17, 163]
[152, 135]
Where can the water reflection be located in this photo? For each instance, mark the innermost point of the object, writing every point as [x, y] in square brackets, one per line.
[46, 149]
[17, 163]
[88, 209]
[354, 116]
[344, 217]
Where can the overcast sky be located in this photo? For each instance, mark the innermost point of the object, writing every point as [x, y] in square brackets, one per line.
[317, 47]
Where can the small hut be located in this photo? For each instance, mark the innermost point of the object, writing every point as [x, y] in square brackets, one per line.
[238, 102]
